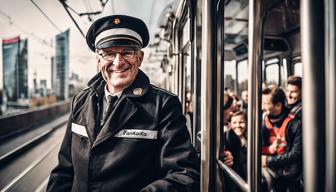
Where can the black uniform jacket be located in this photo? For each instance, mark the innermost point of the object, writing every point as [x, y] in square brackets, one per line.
[143, 145]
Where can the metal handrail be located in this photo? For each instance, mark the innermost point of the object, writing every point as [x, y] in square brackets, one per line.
[234, 176]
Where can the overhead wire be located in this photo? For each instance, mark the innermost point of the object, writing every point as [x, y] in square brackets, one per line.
[38, 39]
[7, 16]
[46, 16]
[75, 22]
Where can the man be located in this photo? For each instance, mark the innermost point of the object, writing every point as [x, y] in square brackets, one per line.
[136, 142]
[244, 98]
[229, 106]
[282, 143]
[294, 95]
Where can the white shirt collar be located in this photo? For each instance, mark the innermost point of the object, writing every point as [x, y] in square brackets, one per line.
[107, 93]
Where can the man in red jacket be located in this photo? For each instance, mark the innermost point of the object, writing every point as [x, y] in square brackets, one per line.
[282, 143]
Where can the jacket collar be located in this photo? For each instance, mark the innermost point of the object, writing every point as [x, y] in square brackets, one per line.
[138, 87]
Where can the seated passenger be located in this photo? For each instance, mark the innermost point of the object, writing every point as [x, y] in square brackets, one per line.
[282, 143]
[244, 98]
[236, 142]
[294, 95]
[235, 150]
[229, 107]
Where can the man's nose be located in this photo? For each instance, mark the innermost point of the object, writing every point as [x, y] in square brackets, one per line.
[118, 60]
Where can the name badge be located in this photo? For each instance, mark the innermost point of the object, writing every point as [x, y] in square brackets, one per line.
[79, 129]
[137, 133]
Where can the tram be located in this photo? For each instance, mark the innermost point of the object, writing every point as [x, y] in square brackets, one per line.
[212, 45]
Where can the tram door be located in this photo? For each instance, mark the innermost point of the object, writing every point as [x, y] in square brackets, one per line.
[186, 66]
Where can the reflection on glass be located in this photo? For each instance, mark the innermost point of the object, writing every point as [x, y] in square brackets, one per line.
[229, 74]
[298, 69]
[242, 69]
[272, 74]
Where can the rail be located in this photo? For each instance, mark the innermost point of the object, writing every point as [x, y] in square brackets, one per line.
[26, 145]
[234, 176]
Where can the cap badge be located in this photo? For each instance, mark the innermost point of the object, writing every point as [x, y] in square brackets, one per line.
[116, 21]
[137, 91]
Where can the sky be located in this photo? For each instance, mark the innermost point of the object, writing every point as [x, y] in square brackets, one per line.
[22, 18]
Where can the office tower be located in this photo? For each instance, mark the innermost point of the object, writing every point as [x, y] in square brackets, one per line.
[15, 68]
[61, 62]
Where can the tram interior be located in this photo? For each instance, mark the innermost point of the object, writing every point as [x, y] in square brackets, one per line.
[179, 40]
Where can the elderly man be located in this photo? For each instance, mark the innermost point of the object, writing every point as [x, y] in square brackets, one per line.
[124, 134]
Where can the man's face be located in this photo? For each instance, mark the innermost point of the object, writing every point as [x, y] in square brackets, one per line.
[238, 124]
[120, 72]
[244, 96]
[269, 108]
[227, 113]
[293, 93]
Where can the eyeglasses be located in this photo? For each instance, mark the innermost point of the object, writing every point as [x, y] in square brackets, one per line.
[111, 55]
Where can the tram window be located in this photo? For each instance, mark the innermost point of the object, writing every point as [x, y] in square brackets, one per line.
[272, 74]
[188, 88]
[283, 73]
[229, 74]
[242, 72]
[272, 61]
[186, 32]
[298, 69]
[187, 68]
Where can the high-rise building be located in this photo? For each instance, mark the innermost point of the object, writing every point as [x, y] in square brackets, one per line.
[61, 62]
[53, 74]
[15, 68]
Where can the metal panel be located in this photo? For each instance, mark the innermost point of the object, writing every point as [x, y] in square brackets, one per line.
[330, 94]
[208, 129]
[312, 44]
[255, 54]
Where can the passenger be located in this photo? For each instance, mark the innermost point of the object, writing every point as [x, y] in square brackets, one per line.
[228, 108]
[236, 142]
[236, 102]
[282, 143]
[226, 156]
[138, 143]
[294, 95]
[189, 112]
[244, 99]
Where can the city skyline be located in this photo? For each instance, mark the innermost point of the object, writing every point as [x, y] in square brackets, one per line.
[22, 18]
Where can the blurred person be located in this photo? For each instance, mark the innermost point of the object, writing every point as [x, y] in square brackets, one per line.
[228, 107]
[236, 142]
[282, 143]
[294, 95]
[189, 112]
[124, 134]
[244, 99]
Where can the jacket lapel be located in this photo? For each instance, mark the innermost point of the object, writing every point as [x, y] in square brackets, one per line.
[123, 111]
[92, 111]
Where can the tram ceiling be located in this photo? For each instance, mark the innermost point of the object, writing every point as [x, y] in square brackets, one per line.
[288, 12]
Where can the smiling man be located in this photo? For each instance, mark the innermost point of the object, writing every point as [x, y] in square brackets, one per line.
[124, 134]
[281, 143]
[294, 95]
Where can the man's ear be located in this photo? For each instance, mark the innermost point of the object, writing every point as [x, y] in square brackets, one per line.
[98, 60]
[140, 57]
